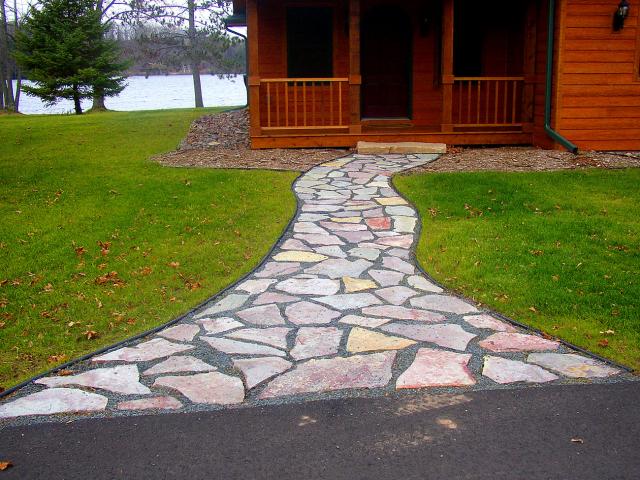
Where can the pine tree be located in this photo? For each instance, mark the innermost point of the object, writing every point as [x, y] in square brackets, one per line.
[63, 49]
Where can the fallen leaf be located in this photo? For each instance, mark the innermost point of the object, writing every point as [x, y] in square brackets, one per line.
[90, 334]
[4, 465]
[608, 332]
[98, 302]
[64, 373]
[533, 309]
[80, 251]
[2, 324]
[57, 358]
[174, 264]
[577, 440]
[48, 288]
[603, 343]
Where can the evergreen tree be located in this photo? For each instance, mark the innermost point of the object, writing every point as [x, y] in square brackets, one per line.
[63, 49]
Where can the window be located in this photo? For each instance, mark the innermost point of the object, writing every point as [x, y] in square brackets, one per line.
[309, 42]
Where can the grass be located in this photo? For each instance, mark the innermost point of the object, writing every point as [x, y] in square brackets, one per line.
[98, 243]
[559, 251]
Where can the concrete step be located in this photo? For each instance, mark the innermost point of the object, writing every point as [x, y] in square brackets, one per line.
[379, 148]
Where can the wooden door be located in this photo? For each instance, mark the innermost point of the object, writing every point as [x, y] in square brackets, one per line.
[386, 38]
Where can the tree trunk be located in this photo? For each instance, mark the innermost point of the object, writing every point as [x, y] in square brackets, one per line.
[5, 75]
[98, 101]
[194, 63]
[76, 100]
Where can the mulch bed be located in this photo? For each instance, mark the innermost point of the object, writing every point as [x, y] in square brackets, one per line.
[222, 141]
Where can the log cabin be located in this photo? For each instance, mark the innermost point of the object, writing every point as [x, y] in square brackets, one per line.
[550, 73]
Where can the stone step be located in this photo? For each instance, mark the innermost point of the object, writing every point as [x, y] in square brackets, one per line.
[380, 148]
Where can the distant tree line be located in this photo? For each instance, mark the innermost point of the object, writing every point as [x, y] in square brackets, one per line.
[78, 49]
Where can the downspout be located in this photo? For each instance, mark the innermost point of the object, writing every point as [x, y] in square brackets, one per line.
[549, 83]
[246, 59]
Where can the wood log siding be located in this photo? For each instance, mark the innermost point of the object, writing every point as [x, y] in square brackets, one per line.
[487, 101]
[304, 103]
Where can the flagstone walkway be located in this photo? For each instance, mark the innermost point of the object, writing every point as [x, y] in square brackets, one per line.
[339, 308]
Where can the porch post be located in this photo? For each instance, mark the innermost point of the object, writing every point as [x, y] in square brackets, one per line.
[253, 73]
[529, 68]
[355, 79]
[447, 66]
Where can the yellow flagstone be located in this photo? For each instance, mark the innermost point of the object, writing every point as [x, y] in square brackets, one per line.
[337, 163]
[299, 256]
[362, 340]
[356, 284]
[389, 201]
[347, 219]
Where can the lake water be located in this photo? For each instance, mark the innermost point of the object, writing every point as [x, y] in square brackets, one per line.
[155, 93]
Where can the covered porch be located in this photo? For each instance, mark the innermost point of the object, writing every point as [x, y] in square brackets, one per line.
[331, 73]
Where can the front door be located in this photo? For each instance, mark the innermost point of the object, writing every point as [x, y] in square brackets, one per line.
[386, 36]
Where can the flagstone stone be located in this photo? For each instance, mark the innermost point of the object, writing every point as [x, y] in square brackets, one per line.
[338, 267]
[356, 208]
[363, 340]
[489, 322]
[271, 297]
[314, 239]
[391, 201]
[517, 342]
[437, 368]
[257, 370]
[230, 302]
[343, 214]
[396, 295]
[399, 252]
[308, 227]
[369, 322]
[405, 211]
[386, 278]
[372, 245]
[344, 227]
[299, 256]
[379, 223]
[404, 224]
[312, 217]
[254, 287]
[177, 364]
[357, 285]
[332, 251]
[384, 233]
[421, 283]
[573, 365]
[154, 403]
[316, 342]
[212, 388]
[320, 208]
[374, 213]
[274, 336]
[264, 315]
[366, 253]
[349, 301]
[231, 347]
[443, 303]
[339, 373]
[395, 263]
[52, 401]
[355, 237]
[403, 313]
[446, 335]
[403, 241]
[346, 219]
[143, 352]
[503, 371]
[219, 325]
[181, 333]
[277, 269]
[309, 286]
[124, 379]
[307, 313]
[293, 244]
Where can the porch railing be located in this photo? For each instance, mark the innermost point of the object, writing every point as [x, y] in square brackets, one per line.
[488, 101]
[304, 103]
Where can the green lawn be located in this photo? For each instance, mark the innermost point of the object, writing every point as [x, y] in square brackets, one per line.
[559, 251]
[98, 243]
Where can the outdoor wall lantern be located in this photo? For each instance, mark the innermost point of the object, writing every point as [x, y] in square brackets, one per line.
[621, 14]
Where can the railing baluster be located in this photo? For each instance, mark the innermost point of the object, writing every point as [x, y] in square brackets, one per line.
[304, 103]
[469, 101]
[313, 103]
[513, 106]
[495, 112]
[286, 104]
[459, 103]
[504, 106]
[268, 104]
[340, 104]
[478, 103]
[486, 103]
[277, 105]
[331, 103]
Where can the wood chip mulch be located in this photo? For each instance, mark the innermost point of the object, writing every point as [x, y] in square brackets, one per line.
[222, 141]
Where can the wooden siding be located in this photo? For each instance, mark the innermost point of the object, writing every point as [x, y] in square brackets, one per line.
[598, 101]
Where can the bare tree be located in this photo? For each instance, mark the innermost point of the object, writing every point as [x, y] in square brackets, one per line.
[9, 97]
